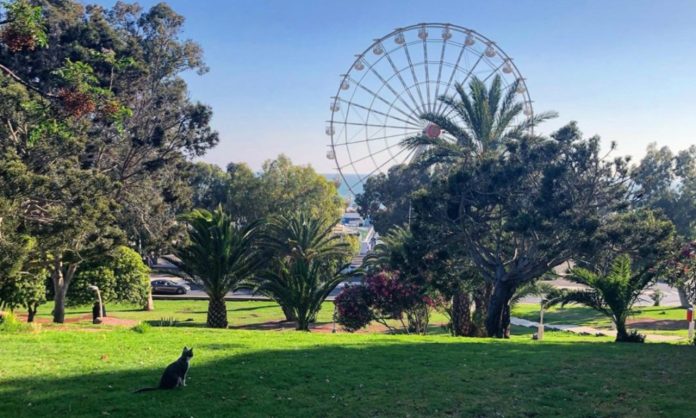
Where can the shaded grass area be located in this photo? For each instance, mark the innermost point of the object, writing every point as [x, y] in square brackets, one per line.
[250, 374]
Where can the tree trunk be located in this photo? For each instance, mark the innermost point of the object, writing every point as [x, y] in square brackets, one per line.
[683, 298]
[59, 303]
[289, 314]
[461, 314]
[61, 282]
[302, 324]
[506, 321]
[482, 298]
[31, 312]
[500, 302]
[217, 312]
[621, 332]
[150, 304]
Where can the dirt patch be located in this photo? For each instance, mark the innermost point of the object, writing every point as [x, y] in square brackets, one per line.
[108, 320]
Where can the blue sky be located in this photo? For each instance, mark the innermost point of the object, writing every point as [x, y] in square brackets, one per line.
[625, 70]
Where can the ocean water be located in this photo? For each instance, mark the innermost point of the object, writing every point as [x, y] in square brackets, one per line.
[343, 188]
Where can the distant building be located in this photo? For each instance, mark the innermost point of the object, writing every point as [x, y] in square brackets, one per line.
[353, 224]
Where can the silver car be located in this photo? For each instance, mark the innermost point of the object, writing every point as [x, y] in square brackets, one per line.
[169, 287]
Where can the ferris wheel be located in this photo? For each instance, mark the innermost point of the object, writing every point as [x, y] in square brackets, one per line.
[398, 78]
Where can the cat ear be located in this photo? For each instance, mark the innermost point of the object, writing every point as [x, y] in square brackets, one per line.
[185, 349]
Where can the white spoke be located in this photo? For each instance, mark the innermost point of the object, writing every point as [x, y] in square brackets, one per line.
[390, 84]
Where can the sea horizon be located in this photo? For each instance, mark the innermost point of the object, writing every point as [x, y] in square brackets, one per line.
[343, 189]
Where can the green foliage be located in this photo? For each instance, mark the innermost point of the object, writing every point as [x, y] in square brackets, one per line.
[10, 323]
[656, 296]
[121, 276]
[612, 293]
[22, 282]
[89, 182]
[634, 337]
[100, 276]
[667, 181]
[78, 74]
[219, 255]
[142, 328]
[646, 235]
[489, 116]
[209, 185]
[14, 252]
[25, 25]
[280, 189]
[26, 290]
[132, 276]
[386, 198]
[307, 264]
[517, 214]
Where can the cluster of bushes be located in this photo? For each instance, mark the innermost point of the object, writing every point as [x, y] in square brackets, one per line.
[386, 298]
[121, 277]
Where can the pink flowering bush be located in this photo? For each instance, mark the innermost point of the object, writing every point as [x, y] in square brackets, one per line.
[353, 308]
[384, 296]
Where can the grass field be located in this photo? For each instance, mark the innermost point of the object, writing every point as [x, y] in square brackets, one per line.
[241, 314]
[254, 314]
[76, 373]
[667, 320]
[81, 370]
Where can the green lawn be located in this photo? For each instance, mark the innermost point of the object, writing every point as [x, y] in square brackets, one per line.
[249, 314]
[667, 320]
[261, 373]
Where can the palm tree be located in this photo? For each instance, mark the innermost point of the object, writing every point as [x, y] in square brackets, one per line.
[308, 263]
[393, 252]
[220, 255]
[488, 116]
[612, 294]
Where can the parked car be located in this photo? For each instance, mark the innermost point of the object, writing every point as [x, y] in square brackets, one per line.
[169, 287]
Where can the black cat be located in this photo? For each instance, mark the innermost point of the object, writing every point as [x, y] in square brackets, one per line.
[174, 375]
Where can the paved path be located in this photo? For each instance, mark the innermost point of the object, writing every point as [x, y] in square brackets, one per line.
[577, 329]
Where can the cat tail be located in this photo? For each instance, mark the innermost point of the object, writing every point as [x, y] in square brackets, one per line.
[145, 390]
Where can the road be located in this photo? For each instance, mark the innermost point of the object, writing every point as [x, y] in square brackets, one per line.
[670, 295]
[243, 294]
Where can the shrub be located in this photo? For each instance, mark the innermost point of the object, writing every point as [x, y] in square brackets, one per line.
[142, 328]
[353, 308]
[132, 276]
[384, 296]
[10, 323]
[657, 295]
[121, 277]
[26, 290]
[391, 296]
[102, 277]
[633, 337]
